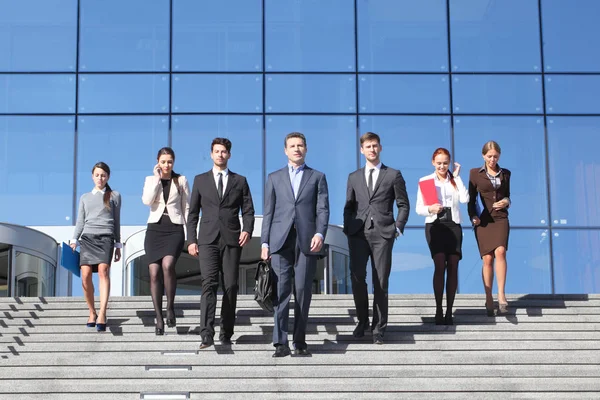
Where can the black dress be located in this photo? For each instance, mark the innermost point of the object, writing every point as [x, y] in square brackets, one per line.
[164, 238]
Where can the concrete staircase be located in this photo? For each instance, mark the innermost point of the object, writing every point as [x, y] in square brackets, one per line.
[546, 347]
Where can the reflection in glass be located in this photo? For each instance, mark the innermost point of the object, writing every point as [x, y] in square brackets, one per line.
[38, 35]
[572, 94]
[522, 143]
[217, 93]
[125, 93]
[193, 135]
[576, 261]
[404, 94]
[407, 144]
[25, 93]
[412, 266]
[570, 33]
[34, 277]
[402, 35]
[37, 169]
[491, 36]
[574, 170]
[497, 94]
[223, 35]
[4, 269]
[527, 257]
[309, 35]
[331, 143]
[341, 280]
[130, 35]
[311, 93]
[186, 269]
[128, 145]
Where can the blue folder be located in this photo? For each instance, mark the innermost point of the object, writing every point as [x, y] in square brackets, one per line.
[69, 259]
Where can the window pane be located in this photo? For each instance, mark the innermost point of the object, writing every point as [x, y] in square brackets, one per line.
[120, 35]
[404, 94]
[574, 170]
[497, 94]
[34, 277]
[571, 31]
[495, 35]
[124, 93]
[309, 35]
[36, 157]
[223, 35]
[522, 142]
[128, 145]
[407, 144]
[37, 93]
[527, 258]
[412, 266]
[332, 146]
[217, 93]
[402, 35]
[576, 261]
[572, 94]
[38, 35]
[193, 135]
[311, 93]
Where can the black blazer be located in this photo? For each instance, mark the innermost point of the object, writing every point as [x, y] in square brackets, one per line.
[390, 187]
[219, 216]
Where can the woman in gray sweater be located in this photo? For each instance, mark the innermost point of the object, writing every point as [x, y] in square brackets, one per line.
[98, 233]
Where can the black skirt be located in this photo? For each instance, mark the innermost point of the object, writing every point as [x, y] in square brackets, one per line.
[444, 237]
[163, 238]
[96, 249]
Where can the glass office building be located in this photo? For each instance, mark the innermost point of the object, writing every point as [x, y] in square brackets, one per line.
[115, 80]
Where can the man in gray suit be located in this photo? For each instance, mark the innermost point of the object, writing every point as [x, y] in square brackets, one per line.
[371, 229]
[296, 215]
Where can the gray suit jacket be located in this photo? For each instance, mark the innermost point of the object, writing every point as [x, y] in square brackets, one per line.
[390, 187]
[309, 210]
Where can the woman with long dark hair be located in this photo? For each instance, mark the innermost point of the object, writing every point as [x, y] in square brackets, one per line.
[492, 184]
[167, 193]
[98, 233]
[442, 229]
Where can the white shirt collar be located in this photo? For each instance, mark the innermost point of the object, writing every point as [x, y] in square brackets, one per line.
[94, 191]
[377, 167]
[216, 171]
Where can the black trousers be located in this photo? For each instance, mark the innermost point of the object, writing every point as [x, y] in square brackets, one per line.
[365, 244]
[218, 260]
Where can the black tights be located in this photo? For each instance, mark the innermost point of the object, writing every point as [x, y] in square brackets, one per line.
[445, 262]
[163, 278]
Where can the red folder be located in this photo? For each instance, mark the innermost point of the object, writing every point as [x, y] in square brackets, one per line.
[428, 191]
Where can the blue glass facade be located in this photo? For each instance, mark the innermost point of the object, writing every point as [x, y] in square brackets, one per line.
[114, 80]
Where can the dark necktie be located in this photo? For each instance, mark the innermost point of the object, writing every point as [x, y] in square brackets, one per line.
[371, 181]
[220, 186]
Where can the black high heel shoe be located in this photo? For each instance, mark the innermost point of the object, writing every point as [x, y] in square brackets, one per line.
[171, 319]
[439, 317]
[92, 323]
[101, 327]
[448, 319]
[159, 331]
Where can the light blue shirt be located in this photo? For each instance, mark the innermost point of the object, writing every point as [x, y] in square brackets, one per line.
[296, 177]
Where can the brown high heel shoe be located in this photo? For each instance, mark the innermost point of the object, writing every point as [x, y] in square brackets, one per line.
[490, 310]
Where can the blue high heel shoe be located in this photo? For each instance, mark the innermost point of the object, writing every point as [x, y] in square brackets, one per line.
[93, 323]
[101, 327]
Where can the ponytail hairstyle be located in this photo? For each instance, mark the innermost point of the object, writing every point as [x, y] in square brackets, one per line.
[104, 167]
[445, 152]
[175, 176]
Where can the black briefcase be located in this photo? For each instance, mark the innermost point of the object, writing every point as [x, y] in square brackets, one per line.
[264, 288]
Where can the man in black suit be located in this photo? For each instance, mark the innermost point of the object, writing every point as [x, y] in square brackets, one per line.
[371, 229]
[220, 194]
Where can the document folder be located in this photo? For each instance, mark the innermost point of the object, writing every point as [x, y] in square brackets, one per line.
[428, 192]
[69, 259]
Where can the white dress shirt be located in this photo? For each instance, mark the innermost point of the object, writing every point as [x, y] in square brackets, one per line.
[225, 173]
[375, 174]
[448, 196]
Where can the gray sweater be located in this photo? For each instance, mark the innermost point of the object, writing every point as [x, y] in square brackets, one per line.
[95, 218]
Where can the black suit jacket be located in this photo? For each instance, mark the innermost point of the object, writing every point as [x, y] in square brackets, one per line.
[360, 206]
[219, 216]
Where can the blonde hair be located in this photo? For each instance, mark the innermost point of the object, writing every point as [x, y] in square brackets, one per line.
[491, 145]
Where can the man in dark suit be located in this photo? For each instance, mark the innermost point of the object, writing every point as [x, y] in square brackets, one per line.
[296, 215]
[220, 194]
[371, 229]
